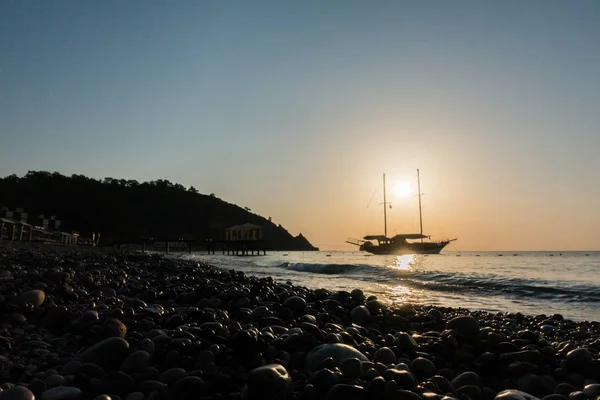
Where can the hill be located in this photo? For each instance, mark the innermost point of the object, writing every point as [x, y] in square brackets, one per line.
[124, 210]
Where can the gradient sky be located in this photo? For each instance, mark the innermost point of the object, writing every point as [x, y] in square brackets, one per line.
[296, 108]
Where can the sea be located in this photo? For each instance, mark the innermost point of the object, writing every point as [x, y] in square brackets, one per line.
[533, 283]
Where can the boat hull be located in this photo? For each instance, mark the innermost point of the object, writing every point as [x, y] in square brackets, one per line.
[407, 248]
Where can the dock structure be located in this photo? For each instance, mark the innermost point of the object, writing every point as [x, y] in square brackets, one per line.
[237, 247]
[240, 240]
[187, 243]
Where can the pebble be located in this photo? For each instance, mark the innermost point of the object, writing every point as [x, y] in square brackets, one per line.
[404, 379]
[346, 392]
[16, 393]
[62, 393]
[296, 303]
[466, 325]
[172, 375]
[35, 297]
[385, 355]
[136, 362]
[269, 382]
[143, 327]
[422, 368]
[592, 390]
[405, 342]
[578, 359]
[351, 367]
[466, 378]
[108, 353]
[511, 394]
[360, 315]
[187, 386]
[339, 352]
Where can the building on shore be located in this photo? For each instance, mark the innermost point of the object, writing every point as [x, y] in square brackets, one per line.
[245, 232]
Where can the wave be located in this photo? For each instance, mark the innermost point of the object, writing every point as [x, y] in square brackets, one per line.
[456, 282]
[328, 269]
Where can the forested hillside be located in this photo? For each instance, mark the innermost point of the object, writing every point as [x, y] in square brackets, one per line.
[125, 210]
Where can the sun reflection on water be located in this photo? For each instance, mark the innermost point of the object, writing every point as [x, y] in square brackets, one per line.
[404, 263]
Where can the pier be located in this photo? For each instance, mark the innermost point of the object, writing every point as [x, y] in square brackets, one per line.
[168, 243]
[236, 247]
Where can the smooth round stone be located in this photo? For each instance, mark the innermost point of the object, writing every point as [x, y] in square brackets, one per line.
[136, 362]
[578, 395]
[466, 378]
[436, 314]
[403, 395]
[402, 367]
[346, 392]
[102, 397]
[113, 327]
[371, 374]
[554, 396]
[150, 386]
[511, 394]
[62, 393]
[564, 389]
[259, 312]
[108, 353]
[308, 318]
[147, 345]
[405, 342]
[351, 368]
[422, 368]
[296, 303]
[117, 382]
[35, 297]
[443, 384]
[172, 375]
[91, 370]
[37, 386]
[470, 391]
[71, 367]
[527, 383]
[385, 355]
[578, 358]
[592, 390]
[17, 393]
[466, 325]
[339, 352]
[55, 380]
[109, 292]
[269, 382]
[137, 396]
[88, 316]
[404, 379]
[360, 315]
[191, 386]
[357, 295]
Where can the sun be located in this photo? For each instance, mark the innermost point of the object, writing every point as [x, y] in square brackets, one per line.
[402, 189]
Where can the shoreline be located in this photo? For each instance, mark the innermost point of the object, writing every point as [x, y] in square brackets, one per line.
[81, 322]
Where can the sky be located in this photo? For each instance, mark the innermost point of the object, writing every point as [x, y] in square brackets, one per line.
[295, 109]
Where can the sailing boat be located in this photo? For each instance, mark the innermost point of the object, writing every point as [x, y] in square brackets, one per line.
[399, 244]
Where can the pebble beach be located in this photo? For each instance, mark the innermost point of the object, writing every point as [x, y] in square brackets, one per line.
[77, 324]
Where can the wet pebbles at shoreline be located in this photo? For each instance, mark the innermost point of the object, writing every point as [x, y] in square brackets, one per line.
[93, 325]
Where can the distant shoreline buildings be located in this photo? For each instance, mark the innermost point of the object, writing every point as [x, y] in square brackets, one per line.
[15, 226]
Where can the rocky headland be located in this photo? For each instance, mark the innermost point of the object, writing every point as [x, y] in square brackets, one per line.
[131, 326]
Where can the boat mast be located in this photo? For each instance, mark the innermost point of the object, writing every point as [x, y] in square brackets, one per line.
[384, 210]
[420, 214]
